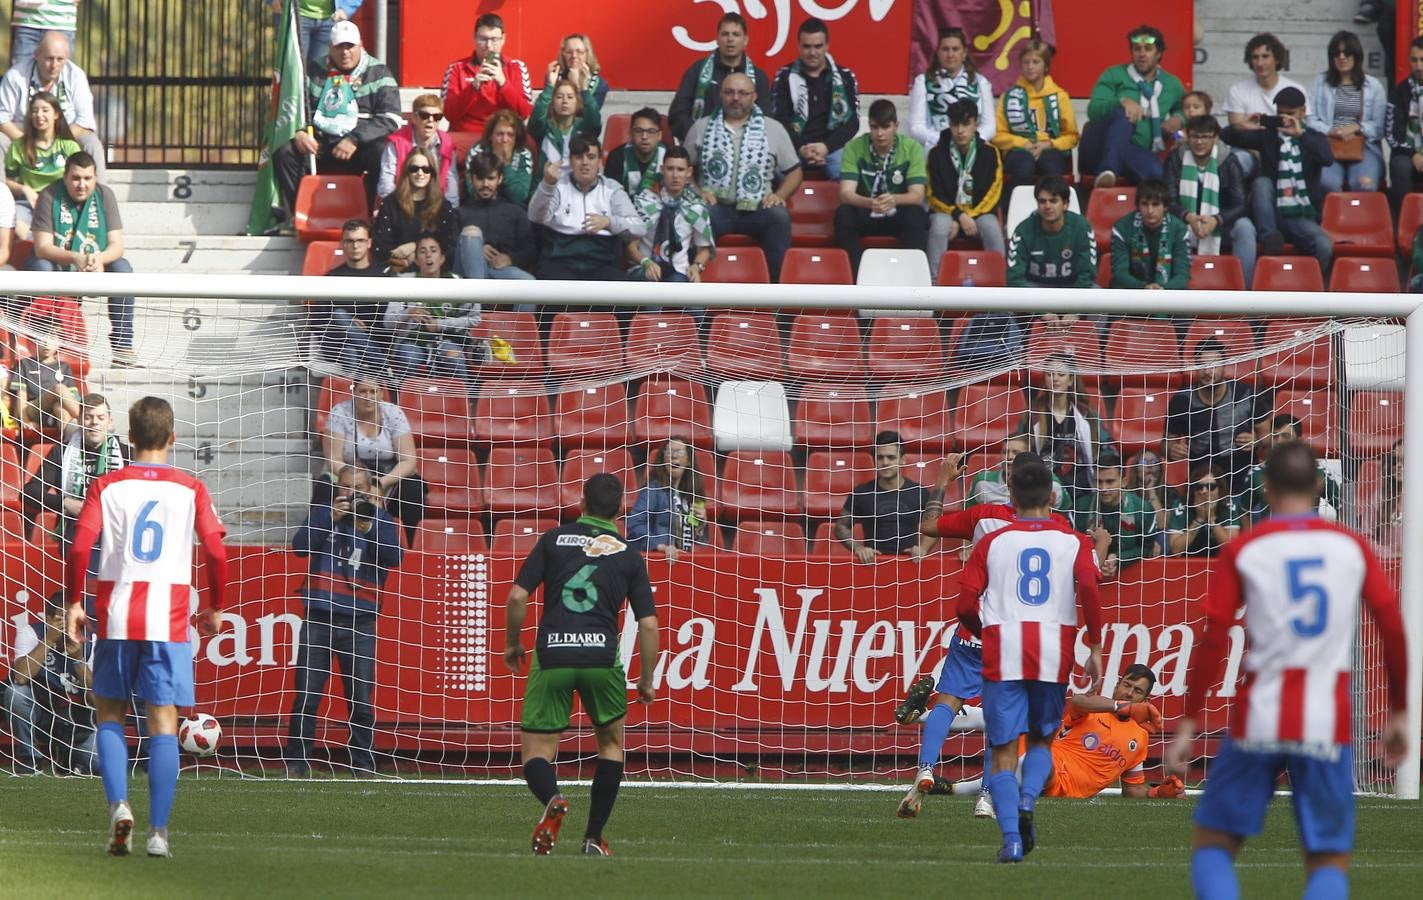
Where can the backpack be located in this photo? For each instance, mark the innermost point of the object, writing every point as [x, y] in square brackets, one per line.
[990, 340]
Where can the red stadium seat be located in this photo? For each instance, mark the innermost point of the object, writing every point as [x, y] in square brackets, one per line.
[669, 406]
[905, 348]
[1297, 365]
[830, 475]
[12, 476]
[984, 267]
[1235, 334]
[986, 413]
[517, 536]
[668, 340]
[1079, 340]
[745, 345]
[825, 348]
[738, 265]
[521, 331]
[1290, 274]
[438, 410]
[805, 265]
[521, 480]
[1216, 273]
[45, 313]
[450, 537]
[452, 482]
[1375, 421]
[512, 412]
[920, 417]
[1410, 219]
[464, 140]
[1104, 270]
[827, 544]
[1358, 223]
[12, 527]
[756, 483]
[580, 465]
[1318, 413]
[812, 208]
[617, 129]
[591, 417]
[325, 202]
[322, 257]
[20, 253]
[1363, 275]
[1136, 344]
[833, 415]
[924, 468]
[773, 538]
[334, 389]
[1140, 420]
[1105, 207]
[585, 344]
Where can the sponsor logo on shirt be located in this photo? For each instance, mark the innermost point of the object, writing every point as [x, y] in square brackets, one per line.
[602, 545]
[561, 639]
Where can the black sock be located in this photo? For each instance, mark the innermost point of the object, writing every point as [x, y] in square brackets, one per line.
[542, 780]
[605, 793]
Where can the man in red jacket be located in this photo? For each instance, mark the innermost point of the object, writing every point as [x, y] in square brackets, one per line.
[477, 87]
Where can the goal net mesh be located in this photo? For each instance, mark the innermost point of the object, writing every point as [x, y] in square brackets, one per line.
[784, 654]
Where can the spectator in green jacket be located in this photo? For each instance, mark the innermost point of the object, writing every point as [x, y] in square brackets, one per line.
[1149, 247]
[1116, 516]
[1053, 247]
[1132, 109]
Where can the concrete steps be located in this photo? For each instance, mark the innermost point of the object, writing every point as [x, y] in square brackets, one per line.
[206, 254]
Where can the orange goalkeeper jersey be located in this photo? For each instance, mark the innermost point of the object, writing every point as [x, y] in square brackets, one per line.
[1093, 751]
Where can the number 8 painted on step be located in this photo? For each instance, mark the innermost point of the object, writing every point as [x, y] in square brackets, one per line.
[147, 543]
[1034, 564]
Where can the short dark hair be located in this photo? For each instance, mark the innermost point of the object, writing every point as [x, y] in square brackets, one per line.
[1055, 185]
[1137, 670]
[1109, 459]
[677, 152]
[603, 495]
[1209, 345]
[814, 26]
[1416, 43]
[1203, 125]
[489, 20]
[582, 142]
[485, 165]
[93, 399]
[1148, 31]
[80, 160]
[1151, 189]
[55, 605]
[1283, 419]
[883, 113]
[1031, 484]
[1292, 468]
[889, 437]
[961, 111]
[1269, 42]
[351, 226]
[430, 236]
[150, 423]
[733, 19]
[649, 114]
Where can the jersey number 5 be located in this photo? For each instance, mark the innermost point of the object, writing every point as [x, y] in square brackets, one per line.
[1034, 564]
[1308, 623]
[579, 594]
[147, 543]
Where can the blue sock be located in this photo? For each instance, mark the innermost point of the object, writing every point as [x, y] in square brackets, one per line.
[1213, 874]
[162, 778]
[1037, 765]
[1003, 786]
[1327, 883]
[936, 731]
[113, 760]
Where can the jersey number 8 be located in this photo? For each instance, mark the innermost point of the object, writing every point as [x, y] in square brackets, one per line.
[1034, 564]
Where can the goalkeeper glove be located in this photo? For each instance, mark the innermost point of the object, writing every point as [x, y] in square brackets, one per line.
[1144, 714]
[1169, 789]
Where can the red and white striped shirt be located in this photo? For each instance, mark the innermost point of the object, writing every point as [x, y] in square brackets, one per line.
[1021, 587]
[143, 516]
[1300, 580]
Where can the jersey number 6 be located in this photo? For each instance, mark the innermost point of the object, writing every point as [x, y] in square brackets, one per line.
[579, 594]
[147, 543]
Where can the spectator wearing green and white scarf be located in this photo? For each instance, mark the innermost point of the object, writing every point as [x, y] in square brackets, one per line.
[699, 93]
[1403, 129]
[818, 101]
[1206, 189]
[882, 187]
[951, 77]
[1149, 249]
[637, 165]
[1036, 128]
[965, 186]
[1131, 110]
[678, 242]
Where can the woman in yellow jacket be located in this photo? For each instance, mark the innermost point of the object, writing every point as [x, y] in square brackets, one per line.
[1036, 128]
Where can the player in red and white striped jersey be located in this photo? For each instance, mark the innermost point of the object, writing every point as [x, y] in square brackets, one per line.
[143, 517]
[1020, 592]
[1301, 581]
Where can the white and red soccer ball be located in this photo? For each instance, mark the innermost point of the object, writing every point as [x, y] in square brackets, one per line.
[200, 735]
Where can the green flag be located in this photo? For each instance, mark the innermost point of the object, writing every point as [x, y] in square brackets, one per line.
[288, 114]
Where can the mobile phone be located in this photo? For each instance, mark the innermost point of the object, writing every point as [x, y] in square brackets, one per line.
[1272, 121]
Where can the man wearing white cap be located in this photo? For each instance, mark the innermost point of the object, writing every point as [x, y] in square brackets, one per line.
[352, 108]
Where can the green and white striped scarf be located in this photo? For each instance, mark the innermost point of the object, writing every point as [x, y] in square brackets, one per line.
[1415, 116]
[704, 80]
[335, 111]
[1141, 249]
[1200, 194]
[941, 91]
[737, 173]
[654, 207]
[1023, 119]
[1291, 193]
[840, 110]
[963, 161]
[639, 177]
[1150, 100]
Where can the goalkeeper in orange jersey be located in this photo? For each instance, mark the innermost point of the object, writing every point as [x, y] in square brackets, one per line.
[1102, 741]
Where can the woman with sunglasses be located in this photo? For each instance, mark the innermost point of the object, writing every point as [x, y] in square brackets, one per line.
[36, 160]
[505, 139]
[1208, 518]
[414, 208]
[1349, 107]
[423, 131]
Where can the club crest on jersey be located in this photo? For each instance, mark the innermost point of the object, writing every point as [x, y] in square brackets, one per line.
[1131, 745]
[1090, 740]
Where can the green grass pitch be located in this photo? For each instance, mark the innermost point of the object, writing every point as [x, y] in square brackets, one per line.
[340, 839]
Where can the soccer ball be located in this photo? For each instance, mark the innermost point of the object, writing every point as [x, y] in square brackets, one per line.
[200, 735]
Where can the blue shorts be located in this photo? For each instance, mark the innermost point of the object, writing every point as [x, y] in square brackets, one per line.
[962, 674]
[1241, 783]
[1013, 708]
[158, 672]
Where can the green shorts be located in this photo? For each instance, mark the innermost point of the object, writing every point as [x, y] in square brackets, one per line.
[548, 696]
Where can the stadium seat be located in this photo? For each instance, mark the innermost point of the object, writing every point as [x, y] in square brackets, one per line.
[516, 537]
[334, 389]
[1104, 270]
[833, 415]
[1375, 421]
[905, 349]
[1410, 219]
[669, 406]
[450, 537]
[827, 544]
[745, 345]
[751, 415]
[521, 331]
[920, 417]
[1105, 207]
[984, 267]
[1296, 365]
[758, 484]
[1363, 275]
[325, 202]
[322, 257]
[1079, 340]
[44, 313]
[1359, 223]
[1318, 413]
[738, 265]
[830, 475]
[893, 268]
[1216, 273]
[1235, 334]
[1146, 347]
[20, 254]
[512, 412]
[452, 482]
[769, 538]
[924, 468]
[1140, 420]
[12, 527]
[825, 348]
[1022, 203]
[668, 341]
[580, 465]
[522, 481]
[985, 413]
[12, 476]
[812, 208]
[587, 344]
[438, 410]
[1289, 274]
[592, 416]
[805, 265]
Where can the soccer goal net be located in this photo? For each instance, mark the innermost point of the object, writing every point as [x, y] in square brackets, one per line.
[777, 460]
